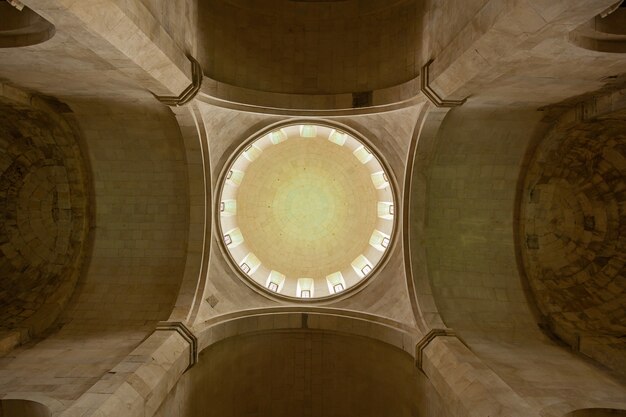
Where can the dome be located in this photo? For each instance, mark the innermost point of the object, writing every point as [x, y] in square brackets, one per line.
[306, 211]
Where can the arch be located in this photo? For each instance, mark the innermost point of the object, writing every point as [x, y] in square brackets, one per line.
[335, 73]
[336, 374]
[564, 214]
[22, 27]
[195, 141]
[421, 153]
[313, 318]
[47, 165]
[23, 408]
[603, 33]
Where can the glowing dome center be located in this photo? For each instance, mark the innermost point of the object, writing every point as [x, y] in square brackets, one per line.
[307, 202]
[302, 212]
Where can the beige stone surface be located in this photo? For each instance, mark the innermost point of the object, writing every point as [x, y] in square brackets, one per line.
[303, 373]
[390, 134]
[309, 47]
[571, 227]
[137, 260]
[307, 207]
[470, 242]
[45, 195]
[155, 171]
[306, 214]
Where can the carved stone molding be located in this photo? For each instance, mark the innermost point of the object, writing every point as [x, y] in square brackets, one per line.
[431, 94]
[424, 342]
[190, 92]
[186, 334]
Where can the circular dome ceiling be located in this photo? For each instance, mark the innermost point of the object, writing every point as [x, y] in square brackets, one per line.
[306, 211]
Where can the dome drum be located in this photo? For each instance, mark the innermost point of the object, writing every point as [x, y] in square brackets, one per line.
[306, 211]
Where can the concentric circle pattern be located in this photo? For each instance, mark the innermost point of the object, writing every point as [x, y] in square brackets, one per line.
[306, 211]
[44, 220]
[574, 223]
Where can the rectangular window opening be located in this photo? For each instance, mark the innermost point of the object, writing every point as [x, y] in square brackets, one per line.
[366, 269]
[385, 242]
[338, 288]
[228, 240]
[273, 286]
[305, 293]
[245, 268]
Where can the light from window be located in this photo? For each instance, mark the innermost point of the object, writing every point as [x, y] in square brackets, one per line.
[278, 136]
[385, 210]
[233, 238]
[362, 266]
[379, 179]
[304, 287]
[234, 177]
[308, 131]
[363, 154]
[335, 282]
[251, 262]
[337, 137]
[252, 152]
[275, 278]
[379, 240]
[228, 208]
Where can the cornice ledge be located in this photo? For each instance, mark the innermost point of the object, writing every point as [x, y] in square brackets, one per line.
[432, 96]
[425, 341]
[186, 334]
[188, 93]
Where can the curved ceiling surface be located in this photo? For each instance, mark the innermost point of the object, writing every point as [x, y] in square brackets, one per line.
[306, 211]
[310, 47]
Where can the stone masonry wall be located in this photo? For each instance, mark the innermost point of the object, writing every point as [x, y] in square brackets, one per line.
[304, 373]
[574, 235]
[140, 193]
[43, 216]
[474, 270]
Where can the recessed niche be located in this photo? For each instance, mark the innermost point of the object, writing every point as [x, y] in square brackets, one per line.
[22, 27]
